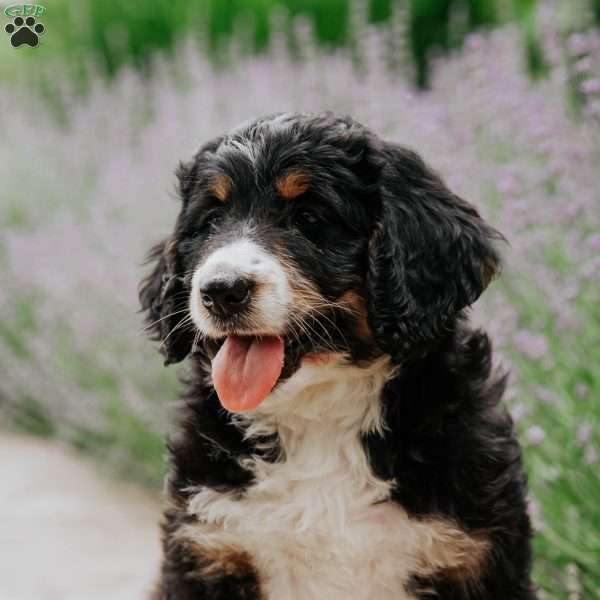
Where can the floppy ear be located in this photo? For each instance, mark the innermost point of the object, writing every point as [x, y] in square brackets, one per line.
[430, 256]
[163, 294]
[164, 298]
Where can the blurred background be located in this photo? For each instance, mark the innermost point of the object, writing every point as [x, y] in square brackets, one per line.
[501, 96]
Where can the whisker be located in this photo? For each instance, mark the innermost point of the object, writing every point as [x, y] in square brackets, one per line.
[177, 312]
[196, 340]
[183, 323]
[311, 333]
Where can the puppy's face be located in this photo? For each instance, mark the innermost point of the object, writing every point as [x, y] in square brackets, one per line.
[282, 254]
[301, 236]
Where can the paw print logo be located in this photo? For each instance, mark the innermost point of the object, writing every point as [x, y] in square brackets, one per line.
[24, 31]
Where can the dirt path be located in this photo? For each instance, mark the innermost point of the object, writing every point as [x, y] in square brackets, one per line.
[67, 532]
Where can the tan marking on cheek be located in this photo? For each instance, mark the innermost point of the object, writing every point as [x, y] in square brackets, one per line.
[220, 186]
[320, 358]
[356, 304]
[292, 184]
[449, 549]
[305, 297]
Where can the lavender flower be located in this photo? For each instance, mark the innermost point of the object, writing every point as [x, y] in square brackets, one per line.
[590, 86]
[532, 345]
[590, 456]
[535, 435]
[584, 433]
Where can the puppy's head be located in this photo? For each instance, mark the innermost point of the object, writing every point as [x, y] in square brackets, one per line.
[304, 235]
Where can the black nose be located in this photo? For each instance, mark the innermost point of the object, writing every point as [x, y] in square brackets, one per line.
[226, 297]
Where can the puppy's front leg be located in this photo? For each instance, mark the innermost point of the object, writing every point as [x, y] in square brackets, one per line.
[191, 572]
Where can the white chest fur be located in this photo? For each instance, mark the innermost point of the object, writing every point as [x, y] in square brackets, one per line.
[318, 523]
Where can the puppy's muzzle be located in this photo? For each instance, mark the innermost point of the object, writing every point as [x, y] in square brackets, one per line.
[242, 289]
[227, 295]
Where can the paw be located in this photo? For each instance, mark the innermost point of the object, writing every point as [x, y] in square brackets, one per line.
[24, 31]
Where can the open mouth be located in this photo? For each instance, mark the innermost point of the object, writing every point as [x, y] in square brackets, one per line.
[246, 369]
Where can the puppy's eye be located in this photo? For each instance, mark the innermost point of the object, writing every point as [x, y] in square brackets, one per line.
[206, 226]
[306, 219]
[202, 229]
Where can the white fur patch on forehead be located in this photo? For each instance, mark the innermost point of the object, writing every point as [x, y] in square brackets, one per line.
[244, 254]
[272, 296]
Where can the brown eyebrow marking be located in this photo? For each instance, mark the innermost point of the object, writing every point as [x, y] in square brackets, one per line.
[220, 186]
[292, 184]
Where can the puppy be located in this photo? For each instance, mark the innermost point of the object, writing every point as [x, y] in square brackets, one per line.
[341, 435]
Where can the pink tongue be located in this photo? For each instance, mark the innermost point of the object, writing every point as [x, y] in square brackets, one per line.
[245, 370]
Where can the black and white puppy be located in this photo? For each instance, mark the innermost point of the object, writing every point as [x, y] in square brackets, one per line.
[342, 435]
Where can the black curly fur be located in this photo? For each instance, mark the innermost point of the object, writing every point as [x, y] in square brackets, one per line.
[164, 298]
[418, 256]
[431, 255]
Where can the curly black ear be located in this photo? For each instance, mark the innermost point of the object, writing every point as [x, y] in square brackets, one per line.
[164, 298]
[430, 256]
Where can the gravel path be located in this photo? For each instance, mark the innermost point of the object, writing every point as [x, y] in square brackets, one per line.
[67, 532]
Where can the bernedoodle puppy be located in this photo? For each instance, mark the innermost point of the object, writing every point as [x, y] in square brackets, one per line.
[341, 434]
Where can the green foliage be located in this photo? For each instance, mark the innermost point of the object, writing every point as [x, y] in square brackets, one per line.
[109, 34]
[125, 440]
[563, 475]
[30, 416]
[526, 14]
[15, 331]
